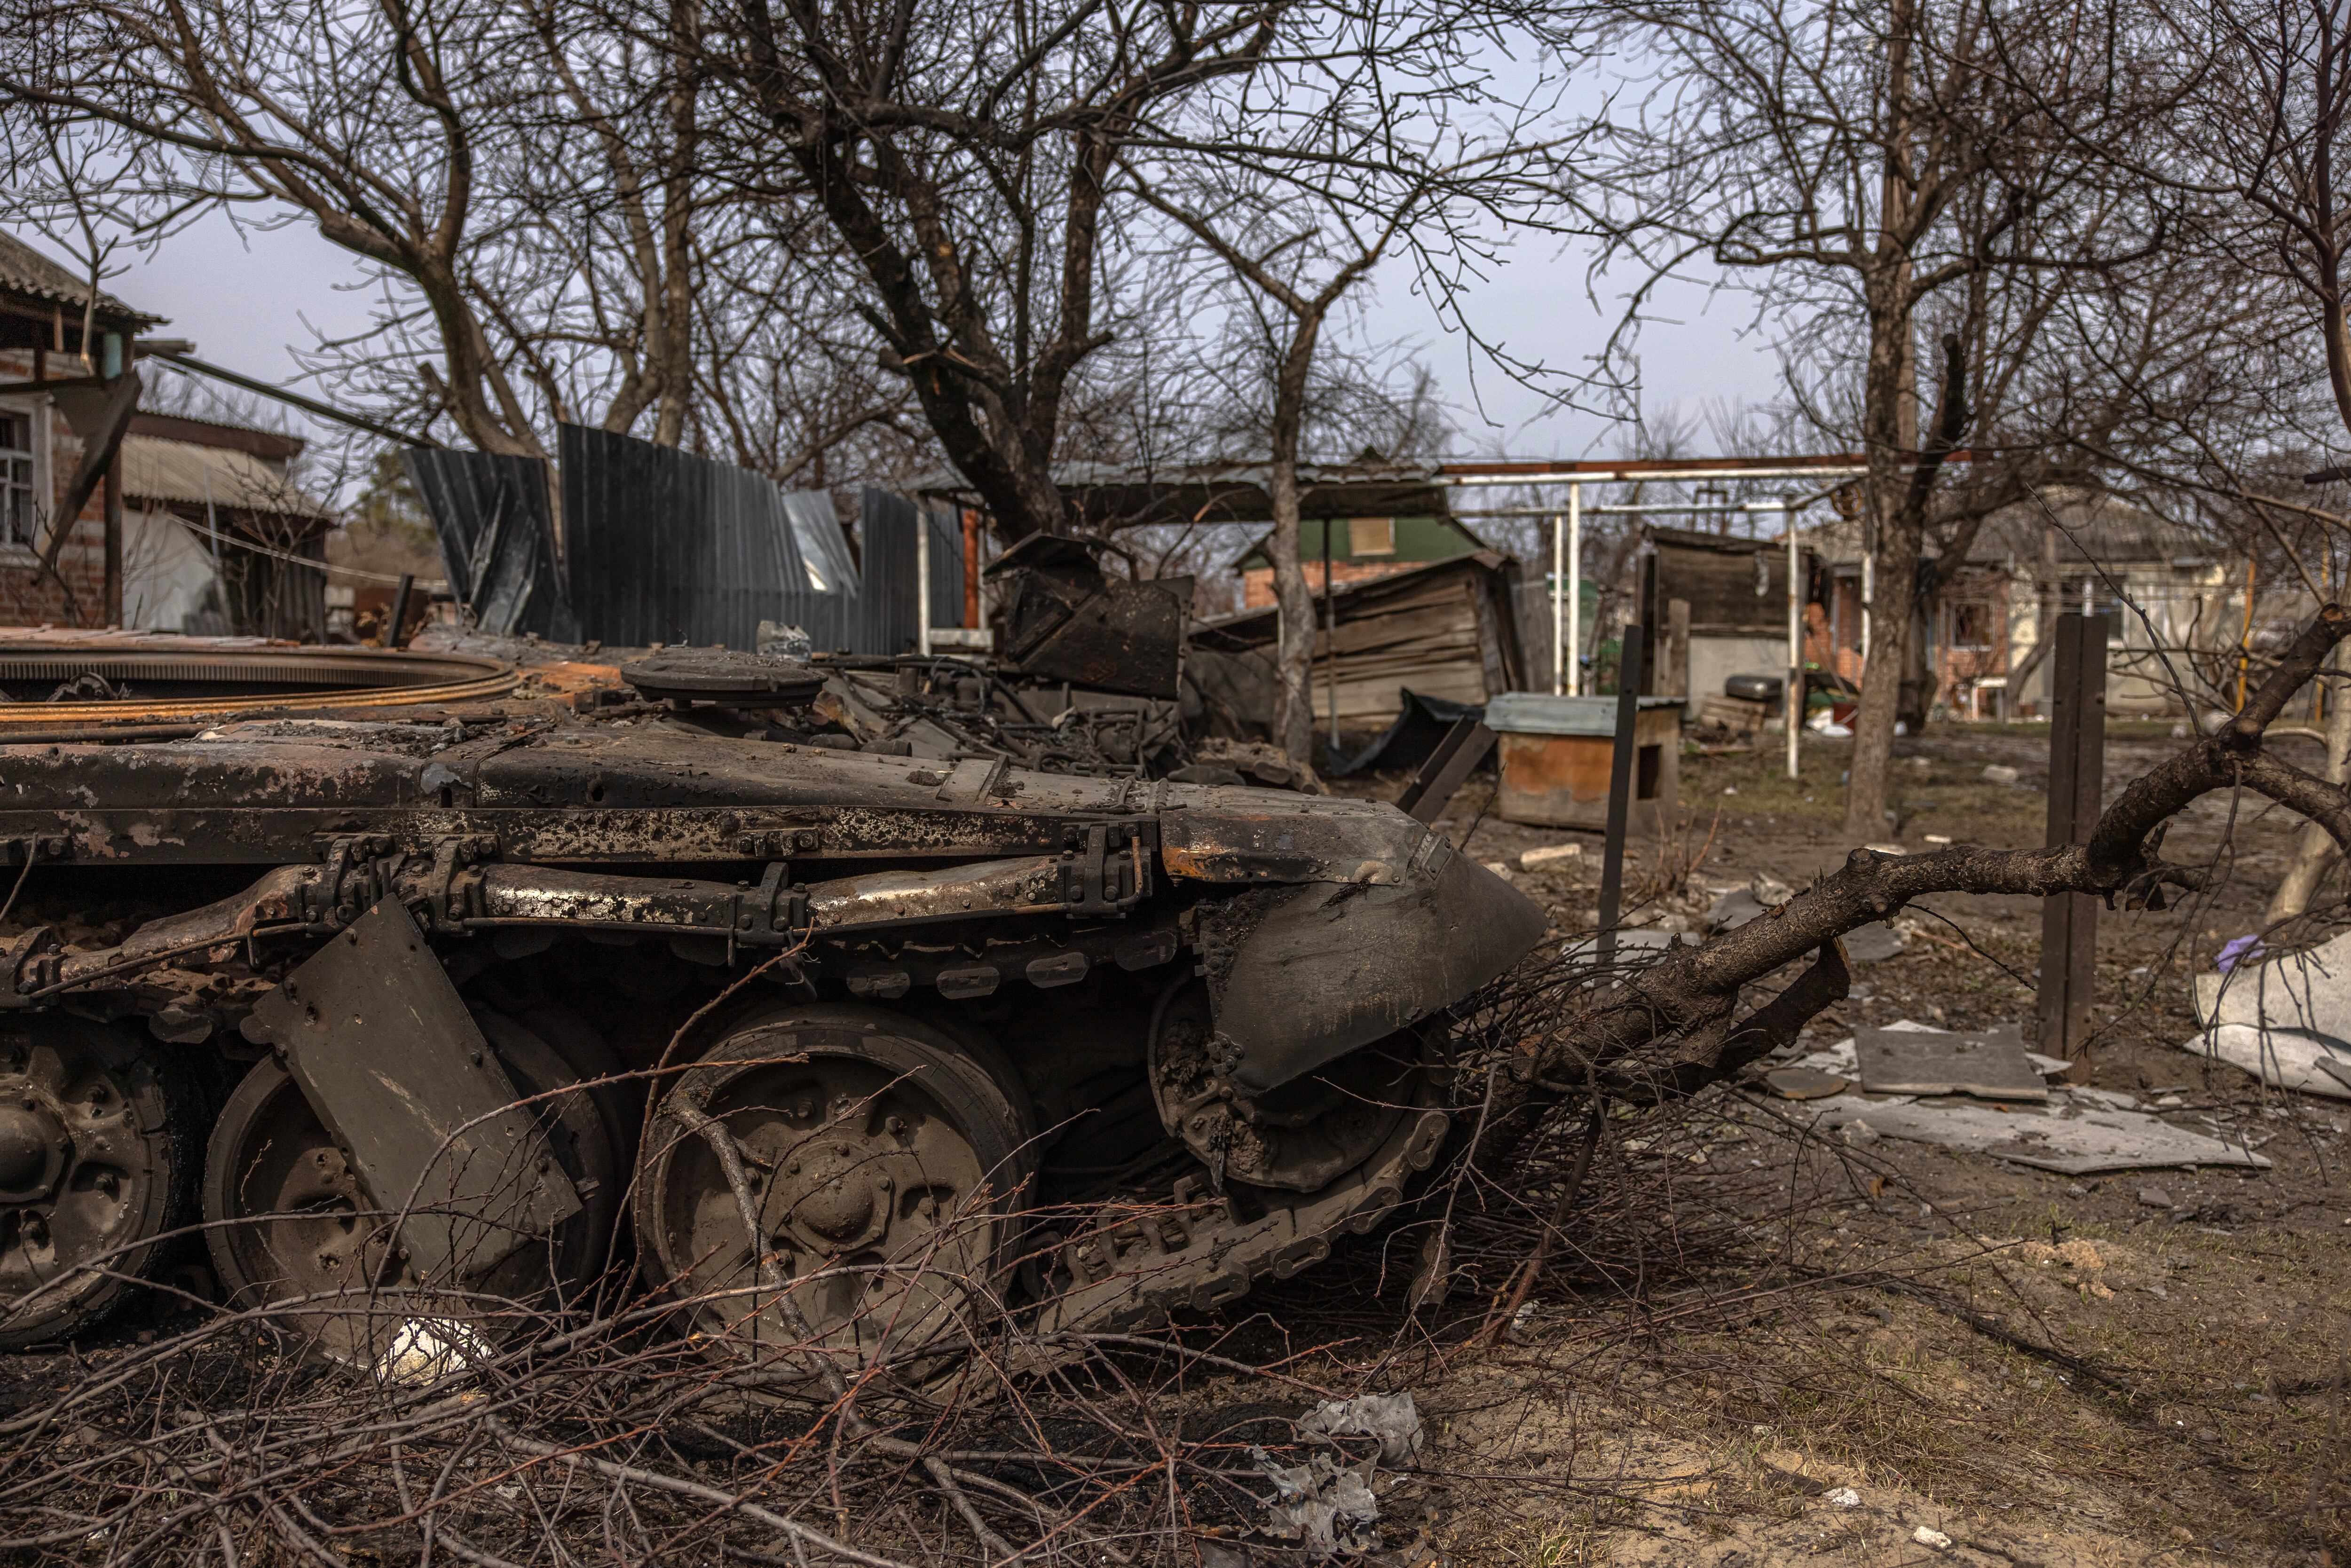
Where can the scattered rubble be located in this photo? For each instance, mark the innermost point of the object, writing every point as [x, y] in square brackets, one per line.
[1551, 857]
[2075, 1130]
[1327, 1505]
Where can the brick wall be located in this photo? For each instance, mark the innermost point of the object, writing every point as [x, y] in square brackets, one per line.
[28, 595]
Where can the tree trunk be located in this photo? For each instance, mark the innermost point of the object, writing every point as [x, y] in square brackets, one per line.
[1919, 685]
[1293, 708]
[1293, 721]
[2315, 852]
[1894, 587]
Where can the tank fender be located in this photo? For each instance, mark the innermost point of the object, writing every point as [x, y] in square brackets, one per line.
[1301, 976]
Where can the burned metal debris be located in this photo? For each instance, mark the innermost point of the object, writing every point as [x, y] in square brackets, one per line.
[914, 980]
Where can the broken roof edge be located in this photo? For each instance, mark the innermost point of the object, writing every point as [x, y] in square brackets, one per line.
[29, 274]
[1256, 547]
[1235, 632]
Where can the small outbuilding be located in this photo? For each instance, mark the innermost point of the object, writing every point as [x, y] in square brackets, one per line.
[1448, 630]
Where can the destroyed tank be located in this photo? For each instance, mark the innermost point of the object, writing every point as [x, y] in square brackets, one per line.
[474, 1005]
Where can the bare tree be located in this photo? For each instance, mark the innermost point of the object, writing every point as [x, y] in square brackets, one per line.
[2265, 97]
[476, 156]
[1857, 162]
[960, 158]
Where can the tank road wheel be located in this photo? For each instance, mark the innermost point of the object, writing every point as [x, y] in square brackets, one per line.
[884, 1163]
[97, 1153]
[301, 1225]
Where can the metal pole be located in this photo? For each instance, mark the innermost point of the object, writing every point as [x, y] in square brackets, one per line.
[1331, 635]
[1558, 604]
[1575, 590]
[2069, 921]
[1795, 692]
[923, 582]
[1620, 791]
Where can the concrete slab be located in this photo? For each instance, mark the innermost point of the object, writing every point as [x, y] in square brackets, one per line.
[1989, 1065]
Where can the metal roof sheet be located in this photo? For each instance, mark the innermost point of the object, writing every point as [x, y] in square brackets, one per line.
[155, 469]
[24, 270]
[1547, 712]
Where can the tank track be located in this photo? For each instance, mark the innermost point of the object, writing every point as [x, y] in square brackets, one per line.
[1197, 1254]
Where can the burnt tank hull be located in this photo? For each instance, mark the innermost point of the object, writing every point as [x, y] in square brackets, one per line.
[1170, 987]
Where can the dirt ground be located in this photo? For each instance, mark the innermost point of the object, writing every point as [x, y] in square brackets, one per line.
[1906, 1354]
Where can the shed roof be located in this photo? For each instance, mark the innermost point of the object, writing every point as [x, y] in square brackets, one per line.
[1261, 626]
[1416, 539]
[180, 472]
[2089, 524]
[27, 272]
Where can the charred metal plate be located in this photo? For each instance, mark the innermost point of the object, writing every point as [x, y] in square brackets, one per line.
[398, 1071]
[721, 676]
[1300, 976]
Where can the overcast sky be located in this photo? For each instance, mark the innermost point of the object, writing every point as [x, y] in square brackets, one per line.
[248, 299]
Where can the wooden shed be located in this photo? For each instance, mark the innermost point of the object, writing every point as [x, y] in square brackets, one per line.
[1446, 630]
[1737, 591]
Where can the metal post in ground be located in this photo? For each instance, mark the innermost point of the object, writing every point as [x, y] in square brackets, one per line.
[1575, 590]
[1330, 635]
[1558, 604]
[1794, 695]
[2077, 773]
[1620, 791]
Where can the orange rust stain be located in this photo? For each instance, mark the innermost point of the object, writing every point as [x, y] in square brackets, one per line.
[1575, 765]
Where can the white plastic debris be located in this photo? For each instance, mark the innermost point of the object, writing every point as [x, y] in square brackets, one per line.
[1844, 1497]
[1934, 1540]
[1999, 773]
[1390, 1418]
[1324, 1508]
[426, 1350]
[2287, 1057]
[2286, 1022]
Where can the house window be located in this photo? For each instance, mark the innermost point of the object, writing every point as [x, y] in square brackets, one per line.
[1371, 536]
[1971, 625]
[18, 515]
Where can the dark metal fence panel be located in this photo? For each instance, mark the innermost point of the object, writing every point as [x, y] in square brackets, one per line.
[887, 525]
[753, 572]
[823, 600]
[666, 546]
[497, 538]
[824, 549]
[635, 532]
[946, 565]
[661, 546]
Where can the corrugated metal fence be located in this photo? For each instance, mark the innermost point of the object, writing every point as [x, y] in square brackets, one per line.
[497, 540]
[661, 546]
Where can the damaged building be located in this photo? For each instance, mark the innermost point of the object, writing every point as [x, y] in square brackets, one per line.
[176, 523]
